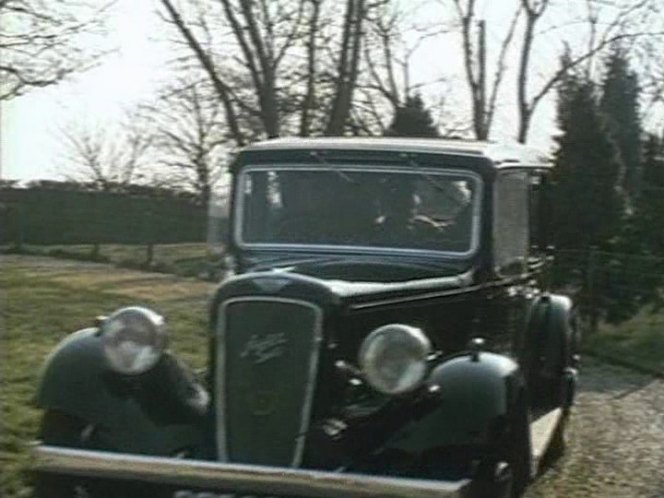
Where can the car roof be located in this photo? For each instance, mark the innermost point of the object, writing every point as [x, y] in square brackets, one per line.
[501, 154]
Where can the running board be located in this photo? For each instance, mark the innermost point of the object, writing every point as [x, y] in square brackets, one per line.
[541, 432]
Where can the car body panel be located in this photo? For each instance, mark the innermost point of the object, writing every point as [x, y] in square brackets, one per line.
[476, 391]
[140, 415]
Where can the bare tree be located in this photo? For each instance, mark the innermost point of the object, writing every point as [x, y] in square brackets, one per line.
[386, 82]
[107, 158]
[620, 20]
[309, 99]
[188, 136]
[582, 29]
[387, 58]
[648, 59]
[40, 42]
[475, 65]
[206, 60]
[276, 70]
[534, 11]
[348, 66]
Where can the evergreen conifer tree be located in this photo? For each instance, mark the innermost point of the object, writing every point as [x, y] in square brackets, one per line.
[588, 207]
[412, 119]
[635, 272]
[624, 273]
[620, 106]
[649, 216]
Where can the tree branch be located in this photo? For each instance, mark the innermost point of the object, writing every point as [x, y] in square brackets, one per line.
[208, 66]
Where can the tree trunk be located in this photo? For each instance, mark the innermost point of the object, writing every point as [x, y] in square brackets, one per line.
[522, 81]
[310, 95]
[348, 67]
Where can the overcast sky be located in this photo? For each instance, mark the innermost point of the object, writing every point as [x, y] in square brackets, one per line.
[30, 145]
[31, 148]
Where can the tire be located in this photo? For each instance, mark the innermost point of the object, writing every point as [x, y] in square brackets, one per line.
[566, 394]
[54, 486]
[494, 480]
[549, 363]
[58, 429]
[61, 429]
[562, 392]
[558, 444]
[518, 453]
[511, 459]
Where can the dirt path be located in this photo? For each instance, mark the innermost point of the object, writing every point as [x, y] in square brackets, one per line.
[617, 439]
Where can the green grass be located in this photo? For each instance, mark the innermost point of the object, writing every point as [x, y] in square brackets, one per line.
[638, 342]
[189, 260]
[44, 300]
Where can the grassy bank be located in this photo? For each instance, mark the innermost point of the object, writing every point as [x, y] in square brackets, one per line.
[188, 260]
[43, 300]
[638, 342]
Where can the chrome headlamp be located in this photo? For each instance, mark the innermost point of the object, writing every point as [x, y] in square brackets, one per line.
[134, 339]
[393, 358]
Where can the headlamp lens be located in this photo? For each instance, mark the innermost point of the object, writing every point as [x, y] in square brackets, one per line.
[394, 358]
[134, 339]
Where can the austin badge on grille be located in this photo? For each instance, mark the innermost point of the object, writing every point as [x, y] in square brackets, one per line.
[261, 348]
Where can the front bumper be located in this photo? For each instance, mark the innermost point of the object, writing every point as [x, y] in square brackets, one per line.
[234, 478]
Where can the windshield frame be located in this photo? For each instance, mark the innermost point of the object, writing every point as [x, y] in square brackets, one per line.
[338, 169]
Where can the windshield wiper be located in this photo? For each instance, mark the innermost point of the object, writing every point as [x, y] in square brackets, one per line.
[332, 167]
[288, 261]
[436, 184]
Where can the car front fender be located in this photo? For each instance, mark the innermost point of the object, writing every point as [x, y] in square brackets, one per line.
[146, 414]
[476, 393]
[553, 334]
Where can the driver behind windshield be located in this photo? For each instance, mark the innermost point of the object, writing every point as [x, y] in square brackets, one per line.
[359, 209]
[407, 220]
[400, 224]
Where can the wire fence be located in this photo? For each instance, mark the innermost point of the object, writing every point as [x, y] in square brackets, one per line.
[609, 286]
[100, 226]
[33, 216]
[174, 235]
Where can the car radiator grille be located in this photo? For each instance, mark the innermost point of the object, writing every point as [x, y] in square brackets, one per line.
[267, 363]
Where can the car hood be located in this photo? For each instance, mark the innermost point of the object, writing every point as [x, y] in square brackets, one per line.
[355, 268]
[358, 277]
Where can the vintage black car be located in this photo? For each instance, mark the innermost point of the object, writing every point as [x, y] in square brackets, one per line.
[387, 332]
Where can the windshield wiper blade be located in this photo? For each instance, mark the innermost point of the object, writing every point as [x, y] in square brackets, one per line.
[436, 184]
[287, 261]
[332, 167]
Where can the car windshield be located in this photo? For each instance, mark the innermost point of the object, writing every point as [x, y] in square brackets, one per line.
[359, 208]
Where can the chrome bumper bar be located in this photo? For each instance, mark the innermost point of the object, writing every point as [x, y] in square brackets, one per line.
[236, 478]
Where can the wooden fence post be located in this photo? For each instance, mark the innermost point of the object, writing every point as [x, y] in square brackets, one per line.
[593, 312]
[148, 230]
[20, 228]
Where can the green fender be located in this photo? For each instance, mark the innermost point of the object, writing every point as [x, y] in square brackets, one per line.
[475, 392]
[145, 414]
[551, 335]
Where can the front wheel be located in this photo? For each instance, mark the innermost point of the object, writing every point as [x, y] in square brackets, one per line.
[557, 445]
[493, 480]
[62, 429]
[519, 452]
[507, 472]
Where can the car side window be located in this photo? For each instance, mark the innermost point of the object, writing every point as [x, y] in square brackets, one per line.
[511, 222]
[539, 214]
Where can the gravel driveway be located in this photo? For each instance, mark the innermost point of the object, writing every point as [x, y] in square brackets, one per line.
[617, 439]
